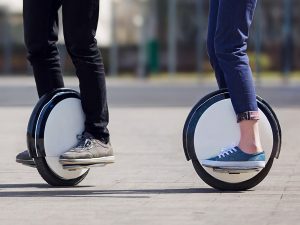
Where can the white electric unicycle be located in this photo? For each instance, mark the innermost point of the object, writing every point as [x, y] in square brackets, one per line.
[53, 126]
[211, 126]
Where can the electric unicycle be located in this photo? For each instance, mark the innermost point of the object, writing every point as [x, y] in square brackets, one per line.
[211, 125]
[53, 126]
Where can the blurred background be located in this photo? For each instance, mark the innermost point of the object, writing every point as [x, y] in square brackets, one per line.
[148, 38]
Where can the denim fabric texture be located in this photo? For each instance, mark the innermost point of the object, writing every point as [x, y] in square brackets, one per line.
[228, 32]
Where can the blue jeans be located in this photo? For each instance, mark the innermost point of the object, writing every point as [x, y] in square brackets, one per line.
[228, 30]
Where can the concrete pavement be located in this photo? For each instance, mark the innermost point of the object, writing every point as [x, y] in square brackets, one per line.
[151, 183]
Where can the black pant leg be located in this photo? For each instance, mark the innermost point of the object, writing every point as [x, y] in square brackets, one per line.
[80, 19]
[40, 33]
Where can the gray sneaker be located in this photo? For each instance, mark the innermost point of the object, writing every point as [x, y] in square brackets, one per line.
[88, 150]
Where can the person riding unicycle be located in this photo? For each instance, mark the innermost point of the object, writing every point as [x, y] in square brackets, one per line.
[228, 31]
[80, 19]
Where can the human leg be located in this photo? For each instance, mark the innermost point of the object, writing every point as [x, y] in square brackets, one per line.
[40, 34]
[80, 19]
[212, 25]
[232, 31]
[228, 51]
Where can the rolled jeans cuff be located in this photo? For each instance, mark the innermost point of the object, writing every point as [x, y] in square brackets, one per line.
[249, 115]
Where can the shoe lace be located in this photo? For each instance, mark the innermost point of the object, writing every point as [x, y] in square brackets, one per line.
[226, 151]
[84, 142]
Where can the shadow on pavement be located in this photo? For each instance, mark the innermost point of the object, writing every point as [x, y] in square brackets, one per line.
[45, 186]
[134, 193]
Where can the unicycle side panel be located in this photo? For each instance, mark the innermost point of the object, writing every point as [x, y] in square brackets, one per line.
[63, 106]
[191, 123]
[38, 118]
[234, 180]
[208, 101]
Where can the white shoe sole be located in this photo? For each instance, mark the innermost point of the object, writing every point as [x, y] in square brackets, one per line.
[237, 165]
[102, 160]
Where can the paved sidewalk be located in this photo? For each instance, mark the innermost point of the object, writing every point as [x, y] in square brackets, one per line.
[151, 183]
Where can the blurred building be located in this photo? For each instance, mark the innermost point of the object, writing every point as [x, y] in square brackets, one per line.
[143, 36]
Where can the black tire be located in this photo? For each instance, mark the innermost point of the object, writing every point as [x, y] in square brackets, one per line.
[54, 180]
[225, 186]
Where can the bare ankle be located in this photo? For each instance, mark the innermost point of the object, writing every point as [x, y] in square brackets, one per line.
[250, 139]
[250, 148]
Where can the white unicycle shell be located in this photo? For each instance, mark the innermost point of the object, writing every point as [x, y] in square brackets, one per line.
[52, 130]
[64, 123]
[212, 126]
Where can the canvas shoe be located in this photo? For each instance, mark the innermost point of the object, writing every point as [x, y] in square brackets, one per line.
[234, 157]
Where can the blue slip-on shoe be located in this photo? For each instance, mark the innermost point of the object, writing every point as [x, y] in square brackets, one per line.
[234, 157]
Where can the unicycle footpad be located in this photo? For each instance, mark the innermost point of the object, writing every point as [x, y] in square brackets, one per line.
[232, 170]
[82, 166]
